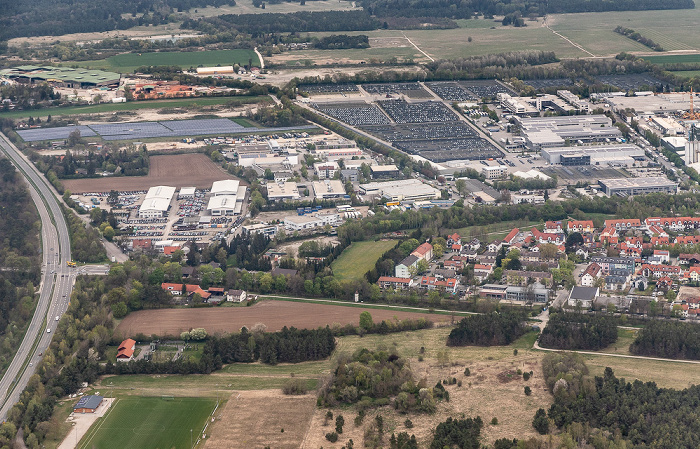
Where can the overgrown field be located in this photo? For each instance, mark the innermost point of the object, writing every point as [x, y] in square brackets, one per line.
[149, 423]
[128, 62]
[359, 258]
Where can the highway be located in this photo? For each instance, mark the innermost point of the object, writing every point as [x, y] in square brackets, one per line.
[56, 282]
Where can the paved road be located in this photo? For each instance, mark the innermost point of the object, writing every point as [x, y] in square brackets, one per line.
[56, 282]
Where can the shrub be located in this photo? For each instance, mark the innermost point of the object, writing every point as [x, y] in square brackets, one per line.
[408, 423]
[332, 437]
[339, 423]
[526, 376]
[359, 418]
[494, 421]
[295, 386]
[467, 372]
[541, 422]
[528, 391]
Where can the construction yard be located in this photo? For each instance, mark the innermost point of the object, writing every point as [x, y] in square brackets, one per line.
[178, 170]
[273, 314]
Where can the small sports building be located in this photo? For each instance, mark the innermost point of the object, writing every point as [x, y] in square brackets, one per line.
[88, 404]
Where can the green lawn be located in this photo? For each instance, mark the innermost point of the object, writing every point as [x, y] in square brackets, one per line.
[149, 423]
[688, 73]
[132, 105]
[128, 62]
[359, 258]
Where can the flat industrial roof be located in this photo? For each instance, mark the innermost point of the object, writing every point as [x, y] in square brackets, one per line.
[65, 74]
[225, 186]
[222, 202]
[161, 192]
[283, 189]
[626, 183]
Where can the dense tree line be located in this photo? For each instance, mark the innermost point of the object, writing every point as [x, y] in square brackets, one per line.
[515, 184]
[673, 340]
[635, 36]
[119, 162]
[569, 330]
[57, 17]
[28, 96]
[464, 10]
[493, 329]
[337, 41]
[298, 22]
[276, 117]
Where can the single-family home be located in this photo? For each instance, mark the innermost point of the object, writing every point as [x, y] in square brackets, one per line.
[236, 295]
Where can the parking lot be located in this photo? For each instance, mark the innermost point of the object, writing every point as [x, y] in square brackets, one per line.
[451, 91]
[411, 90]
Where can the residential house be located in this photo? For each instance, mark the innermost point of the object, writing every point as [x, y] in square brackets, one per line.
[661, 270]
[481, 271]
[432, 283]
[582, 252]
[424, 252]
[403, 269]
[125, 351]
[236, 295]
[609, 236]
[615, 283]
[609, 264]
[660, 240]
[687, 240]
[510, 238]
[454, 239]
[663, 255]
[583, 297]
[395, 283]
[590, 275]
[475, 244]
[664, 283]
[580, 226]
[456, 262]
[626, 224]
[173, 289]
[553, 227]
[495, 246]
[689, 259]
[548, 237]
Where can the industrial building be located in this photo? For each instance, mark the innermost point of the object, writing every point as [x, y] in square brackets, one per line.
[494, 171]
[593, 155]
[402, 190]
[384, 171]
[547, 132]
[72, 78]
[224, 70]
[306, 222]
[637, 186]
[186, 192]
[328, 189]
[157, 202]
[575, 101]
[282, 191]
[225, 187]
[668, 126]
[675, 144]
[516, 105]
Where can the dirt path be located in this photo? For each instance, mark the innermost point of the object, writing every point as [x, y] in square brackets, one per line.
[545, 24]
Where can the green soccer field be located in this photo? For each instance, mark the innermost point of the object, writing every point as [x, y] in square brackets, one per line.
[149, 423]
[359, 258]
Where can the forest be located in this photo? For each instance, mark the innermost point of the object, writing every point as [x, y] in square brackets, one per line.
[643, 414]
[571, 331]
[673, 340]
[20, 261]
[493, 329]
[455, 9]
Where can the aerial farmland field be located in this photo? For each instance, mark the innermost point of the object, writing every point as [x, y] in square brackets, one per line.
[128, 62]
[359, 258]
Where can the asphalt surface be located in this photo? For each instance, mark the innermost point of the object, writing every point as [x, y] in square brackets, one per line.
[56, 281]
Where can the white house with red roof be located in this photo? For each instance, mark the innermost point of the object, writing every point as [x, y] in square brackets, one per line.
[125, 351]
[431, 283]
[386, 282]
[553, 227]
[424, 252]
[580, 226]
[512, 235]
[454, 239]
[590, 275]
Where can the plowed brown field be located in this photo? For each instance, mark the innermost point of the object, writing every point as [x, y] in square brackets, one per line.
[177, 170]
[273, 314]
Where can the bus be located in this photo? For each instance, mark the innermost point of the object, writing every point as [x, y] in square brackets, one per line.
[392, 203]
[70, 263]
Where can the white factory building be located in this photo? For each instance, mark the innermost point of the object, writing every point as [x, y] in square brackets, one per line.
[622, 154]
[547, 132]
[304, 222]
[226, 198]
[157, 202]
[277, 191]
[401, 190]
[186, 192]
[637, 186]
[328, 189]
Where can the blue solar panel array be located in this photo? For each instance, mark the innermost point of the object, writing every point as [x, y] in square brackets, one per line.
[32, 135]
[144, 130]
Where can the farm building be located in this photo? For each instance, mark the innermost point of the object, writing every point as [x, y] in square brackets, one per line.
[88, 404]
[79, 78]
[236, 295]
[125, 352]
[157, 202]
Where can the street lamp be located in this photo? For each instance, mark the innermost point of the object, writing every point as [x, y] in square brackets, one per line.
[191, 444]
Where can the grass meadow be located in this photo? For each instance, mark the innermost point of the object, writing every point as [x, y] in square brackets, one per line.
[128, 62]
[359, 258]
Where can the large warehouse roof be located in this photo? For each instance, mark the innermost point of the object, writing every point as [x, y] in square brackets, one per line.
[159, 204]
[225, 187]
[62, 74]
[222, 202]
[161, 192]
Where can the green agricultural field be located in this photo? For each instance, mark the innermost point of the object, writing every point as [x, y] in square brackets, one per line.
[359, 258]
[688, 73]
[149, 423]
[133, 105]
[674, 59]
[128, 62]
